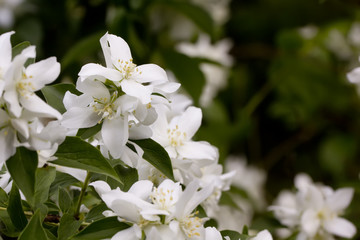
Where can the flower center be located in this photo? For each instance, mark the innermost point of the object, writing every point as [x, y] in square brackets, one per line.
[105, 107]
[128, 68]
[191, 226]
[163, 198]
[176, 137]
[24, 86]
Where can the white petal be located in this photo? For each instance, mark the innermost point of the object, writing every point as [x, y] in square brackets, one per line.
[21, 126]
[142, 189]
[96, 71]
[212, 233]
[128, 234]
[5, 50]
[190, 121]
[137, 90]
[119, 49]
[106, 50]
[263, 235]
[43, 72]
[168, 87]
[93, 88]
[150, 73]
[71, 100]
[35, 104]
[198, 150]
[101, 187]
[80, 118]
[354, 75]
[310, 222]
[139, 132]
[7, 144]
[340, 199]
[115, 134]
[12, 101]
[340, 227]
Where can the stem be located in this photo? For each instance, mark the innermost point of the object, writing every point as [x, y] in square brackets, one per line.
[257, 98]
[82, 194]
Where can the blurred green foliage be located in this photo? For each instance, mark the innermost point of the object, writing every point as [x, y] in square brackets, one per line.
[288, 105]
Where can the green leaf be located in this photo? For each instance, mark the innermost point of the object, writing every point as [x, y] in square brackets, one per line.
[187, 71]
[195, 13]
[18, 48]
[127, 175]
[96, 213]
[7, 228]
[62, 180]
[54, 94]
[86, 45]
[234, 235]
[156, 155]
[86, 133]
[65, 201]
[22, 167]
[103, 228]
[15, 209]
[76, 153]
[43, 179]
[68, 227]
[3, 198]
[34, 230]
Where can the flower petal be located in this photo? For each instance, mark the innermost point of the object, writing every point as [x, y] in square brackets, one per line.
[93, 71]
[7, 144]
[142, 189]
[354, 75]
[190, 121]
[130, 233]
[21, 126]
[12, 102]
[150, 73]
[198, 150]
[43, 72]
[340, 199]
[263, 235]
[115, 133]
[101, 187]
[310, 223]
[340, 227]
[119, 49]
[35, 104]
[80, 118]
[132, 88]
[5, 50]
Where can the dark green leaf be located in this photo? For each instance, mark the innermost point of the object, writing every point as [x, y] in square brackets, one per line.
[103, 228]
[15, 209]
[86, 45]
[43, 179]
[54, 94]
[85, 133]
[65, 201]
[195, 13]
[18, 48]
[3, 198]
[6, 226]
[68, 226]
[22, 167]
[34, 230]
[156, 155]
[234, 235]
[96, 213]
[62, 180]
[187, 71]
[76, 153]
[127, 175]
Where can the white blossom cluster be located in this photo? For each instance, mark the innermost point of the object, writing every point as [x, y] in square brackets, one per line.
[25, 119]
[314, 211]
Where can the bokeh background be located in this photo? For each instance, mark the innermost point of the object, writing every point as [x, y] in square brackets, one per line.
[282, 101]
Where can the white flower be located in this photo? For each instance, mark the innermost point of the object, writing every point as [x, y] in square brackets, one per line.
[5, 57]
[175, 136]
[315, 210]
[263, 235]
[215, 75]
[118, 96]
[143, 205]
